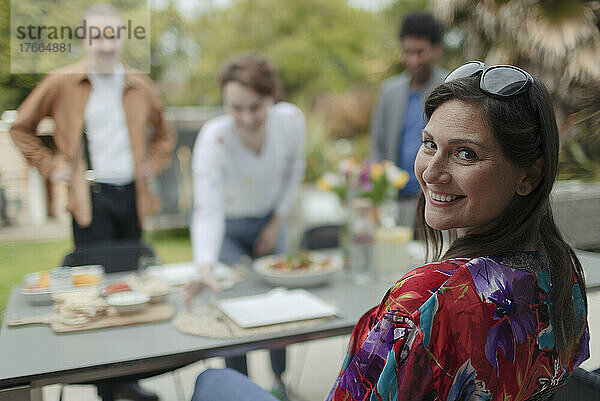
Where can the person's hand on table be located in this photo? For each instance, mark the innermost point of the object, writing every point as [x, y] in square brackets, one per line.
[268, 237]
[203, 280]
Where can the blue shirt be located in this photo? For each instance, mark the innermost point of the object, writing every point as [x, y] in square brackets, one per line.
[410, 141]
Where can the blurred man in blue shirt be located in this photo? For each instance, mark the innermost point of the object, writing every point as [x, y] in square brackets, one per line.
[398, 118]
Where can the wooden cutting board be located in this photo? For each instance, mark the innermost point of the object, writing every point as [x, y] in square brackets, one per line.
[152, 313]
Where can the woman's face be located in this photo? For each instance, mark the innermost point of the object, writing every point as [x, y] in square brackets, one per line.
[247, 107]
[466, 179]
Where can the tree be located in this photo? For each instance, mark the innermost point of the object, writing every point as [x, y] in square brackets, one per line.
[318, 46]
[14, 88]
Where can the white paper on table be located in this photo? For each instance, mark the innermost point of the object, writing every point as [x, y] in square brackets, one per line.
[276, 306]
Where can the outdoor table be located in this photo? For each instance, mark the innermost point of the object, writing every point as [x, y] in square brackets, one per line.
[35, 356]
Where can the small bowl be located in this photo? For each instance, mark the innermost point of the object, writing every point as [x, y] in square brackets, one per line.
[156, 289]
[129, 302]
[156, 298]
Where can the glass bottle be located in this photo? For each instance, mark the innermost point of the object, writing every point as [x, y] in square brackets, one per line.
[362, 236]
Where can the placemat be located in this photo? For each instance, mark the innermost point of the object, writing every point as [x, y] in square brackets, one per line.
[215, 325]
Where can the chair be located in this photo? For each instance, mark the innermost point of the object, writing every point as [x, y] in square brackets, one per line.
[581, 385]
[321, 237]
[115, 256]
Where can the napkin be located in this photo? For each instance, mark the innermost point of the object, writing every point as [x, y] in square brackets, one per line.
[276, 306]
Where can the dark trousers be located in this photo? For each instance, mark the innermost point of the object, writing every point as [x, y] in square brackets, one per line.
[278, 359]
[114, 215]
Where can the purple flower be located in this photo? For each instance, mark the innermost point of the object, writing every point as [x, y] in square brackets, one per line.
[512, 292]
[366, 186]
[368, 362]
[465, 387]
[584, 349]
[365, 173]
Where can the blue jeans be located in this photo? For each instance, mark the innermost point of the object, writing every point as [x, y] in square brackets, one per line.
[240, 235]
[228, 385]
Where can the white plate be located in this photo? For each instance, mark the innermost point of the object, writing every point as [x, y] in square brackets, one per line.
[128, 302]
[299, 278]
[180, 273]
[276, 306]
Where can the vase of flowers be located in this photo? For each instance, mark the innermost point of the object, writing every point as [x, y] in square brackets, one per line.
[378, 182]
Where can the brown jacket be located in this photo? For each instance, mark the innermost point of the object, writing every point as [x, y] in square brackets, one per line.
[63, 95]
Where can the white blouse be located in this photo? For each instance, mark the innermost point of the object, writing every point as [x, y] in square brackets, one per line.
[232, 181]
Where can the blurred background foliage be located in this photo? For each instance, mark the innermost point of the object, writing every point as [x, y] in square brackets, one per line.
[557, 41]
[332, 57]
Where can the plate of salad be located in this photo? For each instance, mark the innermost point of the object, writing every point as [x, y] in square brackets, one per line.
[299, 269]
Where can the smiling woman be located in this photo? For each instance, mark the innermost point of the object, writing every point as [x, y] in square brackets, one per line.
[462, 170]
[502, 314]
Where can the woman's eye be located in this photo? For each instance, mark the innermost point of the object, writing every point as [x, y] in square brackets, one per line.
[429, 144]
[467, 154]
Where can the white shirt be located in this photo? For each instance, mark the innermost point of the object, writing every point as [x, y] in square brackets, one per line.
[108, 136]
[232, 181]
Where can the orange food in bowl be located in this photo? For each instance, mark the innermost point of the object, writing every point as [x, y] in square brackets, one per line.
[85, 278]
[43, 280]
[119, 286]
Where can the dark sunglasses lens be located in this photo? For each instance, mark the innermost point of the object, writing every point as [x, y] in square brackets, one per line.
[503, 81]
[465, 70]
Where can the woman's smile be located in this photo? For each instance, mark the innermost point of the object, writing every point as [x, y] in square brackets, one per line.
[441, 199]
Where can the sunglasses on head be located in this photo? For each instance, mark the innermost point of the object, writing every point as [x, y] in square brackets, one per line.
[501, 82]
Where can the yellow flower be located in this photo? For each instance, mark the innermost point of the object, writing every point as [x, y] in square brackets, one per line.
[323, 185]
[395, 175]
[376, 171]
[401, 179]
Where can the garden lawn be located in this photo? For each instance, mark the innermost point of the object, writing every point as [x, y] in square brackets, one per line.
[19, 258]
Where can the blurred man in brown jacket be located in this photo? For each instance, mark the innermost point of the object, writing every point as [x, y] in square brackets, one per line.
[105, 152]
[111, 139]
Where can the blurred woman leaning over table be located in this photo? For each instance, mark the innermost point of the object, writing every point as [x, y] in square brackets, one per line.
[247, 167]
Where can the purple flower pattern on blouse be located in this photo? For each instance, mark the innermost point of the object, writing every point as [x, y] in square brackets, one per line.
[465, 387]
[418, 345]
[512, 291]
[368, 362]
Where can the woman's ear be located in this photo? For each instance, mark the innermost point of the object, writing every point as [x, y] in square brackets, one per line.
[531, 178]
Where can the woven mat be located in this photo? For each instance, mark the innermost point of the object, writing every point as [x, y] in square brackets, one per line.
[220, 326]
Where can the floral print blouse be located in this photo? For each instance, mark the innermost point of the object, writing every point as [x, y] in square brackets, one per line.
[461, 329]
